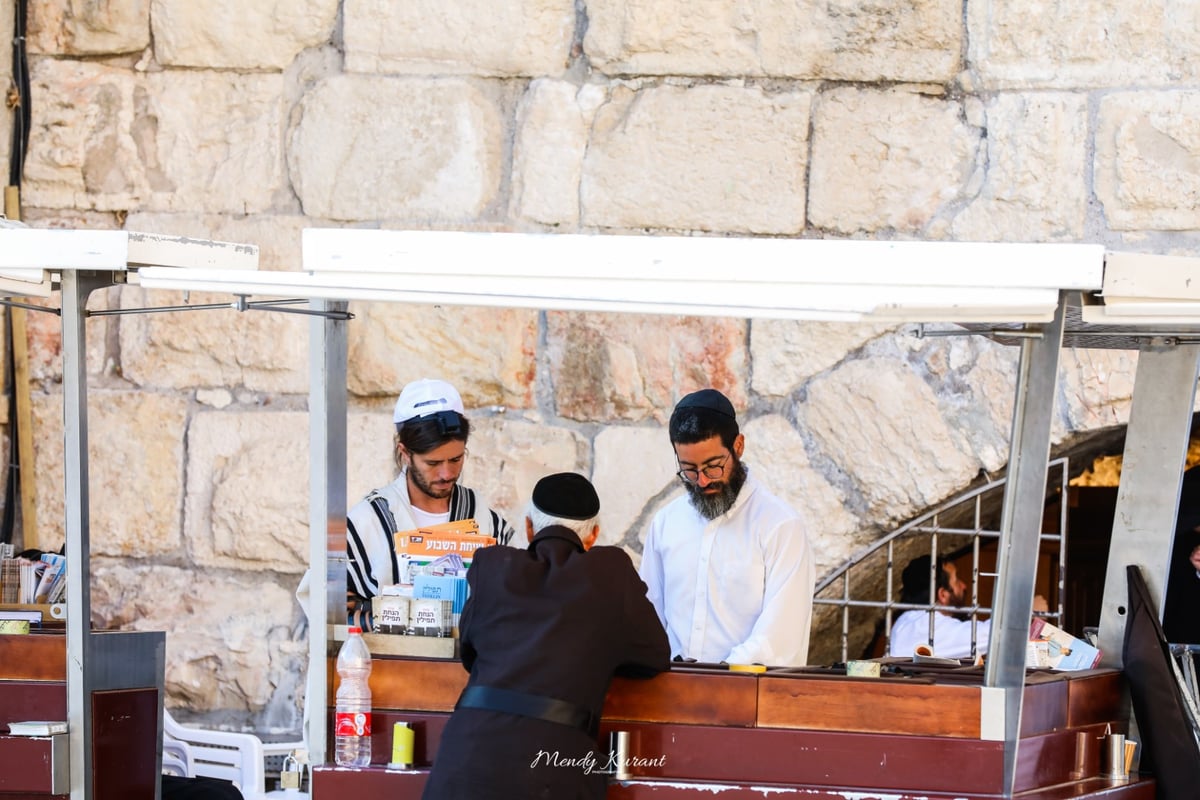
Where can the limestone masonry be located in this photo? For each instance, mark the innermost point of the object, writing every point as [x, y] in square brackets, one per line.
[929, 119]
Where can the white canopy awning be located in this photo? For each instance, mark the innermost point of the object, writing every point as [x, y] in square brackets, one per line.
[32, 259]
[770, 278]
[810, 279]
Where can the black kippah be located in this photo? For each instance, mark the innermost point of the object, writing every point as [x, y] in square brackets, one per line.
[710, 400]
[566, 495]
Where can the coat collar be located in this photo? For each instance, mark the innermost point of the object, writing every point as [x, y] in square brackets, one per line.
[557, 532]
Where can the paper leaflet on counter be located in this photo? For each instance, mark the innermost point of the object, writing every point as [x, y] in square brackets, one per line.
[445, 549]
[1053, 648]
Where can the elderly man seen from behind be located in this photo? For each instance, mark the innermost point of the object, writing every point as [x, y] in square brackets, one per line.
[543, 632]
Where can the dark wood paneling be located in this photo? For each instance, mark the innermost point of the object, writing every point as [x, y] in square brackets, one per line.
[814, 758]
[1095, 697]
[1044, 707]
[1049, 759]
[366, 784]
[646, 790]
[33, 657]
[20, 700]
[124, 740]
[410, 684]
[728, 698]
[868, 705]
[26, 764]
[702, 698]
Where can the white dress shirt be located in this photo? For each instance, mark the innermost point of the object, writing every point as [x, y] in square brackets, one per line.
[951, 637]
[736, 589]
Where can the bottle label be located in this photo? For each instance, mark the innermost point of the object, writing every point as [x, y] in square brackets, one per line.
[351, 723]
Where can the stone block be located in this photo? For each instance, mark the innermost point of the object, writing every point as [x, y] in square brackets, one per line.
[227, 34]
[1034, 187]
[553, 124]
[633, 368]
[879, 423]
[889, 160]
[71, 28]
[231, 646]
[633, 465]
[713, 158]
[786, 353]
[164, 141]
[505, 38]
[247, 484]
[1147, 163]
[776, 454]
[135, 472]
[488, 354]
[915, 41]
[257, 350]
[1090, 43]
[377, 148]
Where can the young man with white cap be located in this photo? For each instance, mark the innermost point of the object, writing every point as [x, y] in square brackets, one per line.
[431, 447]
[728, 565]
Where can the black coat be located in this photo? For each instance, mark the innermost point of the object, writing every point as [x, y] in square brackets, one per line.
[555, 621]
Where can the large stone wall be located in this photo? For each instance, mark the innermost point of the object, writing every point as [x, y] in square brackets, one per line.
[248, 122]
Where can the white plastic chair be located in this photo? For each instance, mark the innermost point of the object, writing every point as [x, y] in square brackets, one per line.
[234, 757]
[176, 758]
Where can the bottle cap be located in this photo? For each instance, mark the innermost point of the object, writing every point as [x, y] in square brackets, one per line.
[353, 629]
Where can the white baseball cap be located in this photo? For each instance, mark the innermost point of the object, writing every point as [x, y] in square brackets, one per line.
[426, 397]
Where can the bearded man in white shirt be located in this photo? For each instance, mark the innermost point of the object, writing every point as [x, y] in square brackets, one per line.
[728, 565]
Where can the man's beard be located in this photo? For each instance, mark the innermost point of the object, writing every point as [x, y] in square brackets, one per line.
[958, 601]
[427, 488]
[714, 505]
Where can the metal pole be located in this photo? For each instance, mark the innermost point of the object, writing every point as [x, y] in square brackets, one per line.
[76, 287]
[1020, 529]
[328, 355]
[1156, 445]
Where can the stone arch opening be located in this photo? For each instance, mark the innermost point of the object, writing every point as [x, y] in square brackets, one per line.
[1093, 472]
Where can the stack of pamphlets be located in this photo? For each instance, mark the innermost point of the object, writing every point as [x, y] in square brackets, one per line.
[53, 584]
[418, 549]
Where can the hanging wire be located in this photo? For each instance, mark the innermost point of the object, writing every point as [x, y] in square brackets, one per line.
[18, 97]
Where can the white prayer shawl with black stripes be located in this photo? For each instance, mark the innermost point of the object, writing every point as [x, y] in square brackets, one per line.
[372, 524]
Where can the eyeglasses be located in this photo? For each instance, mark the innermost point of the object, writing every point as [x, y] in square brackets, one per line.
[711, 471]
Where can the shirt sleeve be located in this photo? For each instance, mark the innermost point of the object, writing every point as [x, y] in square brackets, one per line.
[651, 573]
[952, 637]
[647, 650]
[780, 635]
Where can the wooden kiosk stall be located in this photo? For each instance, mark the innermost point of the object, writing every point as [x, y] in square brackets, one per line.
[995, 731]
[107, 685]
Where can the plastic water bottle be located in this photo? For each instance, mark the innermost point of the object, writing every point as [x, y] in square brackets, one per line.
[352, 716]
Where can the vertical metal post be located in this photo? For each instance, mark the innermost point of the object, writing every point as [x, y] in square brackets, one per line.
[1156, 445]
[328, 355]
[1020, 528]
[76, 287]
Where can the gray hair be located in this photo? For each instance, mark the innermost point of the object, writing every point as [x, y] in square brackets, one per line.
[541, 520]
